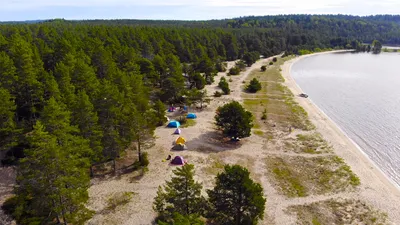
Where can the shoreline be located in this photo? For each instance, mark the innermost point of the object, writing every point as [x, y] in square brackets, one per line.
[376, 187]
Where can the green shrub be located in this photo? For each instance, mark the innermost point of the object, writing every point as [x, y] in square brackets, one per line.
[224, 86]
[234, 70]
[271, 63]
[254, 86]
[217, 94]
[144, 159]
[230, 80]
[119, 199]
[263, 68]
[264, 115]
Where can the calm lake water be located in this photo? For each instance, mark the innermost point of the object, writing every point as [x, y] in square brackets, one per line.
[361, 93]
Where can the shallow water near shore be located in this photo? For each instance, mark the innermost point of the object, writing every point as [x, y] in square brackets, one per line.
[361, 93]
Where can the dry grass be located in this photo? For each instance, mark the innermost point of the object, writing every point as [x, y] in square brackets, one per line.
[118, 199]
[307, 143]
[215, 164]
[338, 211]
[301, 176]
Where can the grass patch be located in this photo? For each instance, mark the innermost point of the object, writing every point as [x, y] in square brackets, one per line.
[214, 166]
[118, 199]
[259, 133]
[338, 211]
[307, 143]
[277, 99]
[300, 176]
[188, 123]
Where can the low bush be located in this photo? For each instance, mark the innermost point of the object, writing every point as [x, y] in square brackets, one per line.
[217, 94]
[234, 70]
[254, 86]
[263, 68]
[271, 63]
[144, 159]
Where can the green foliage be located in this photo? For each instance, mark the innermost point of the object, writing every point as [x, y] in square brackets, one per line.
[217, 94]
[234, 70]
[221, 66]
[234, 120]
[253, 86]
[224, 85]
[264, 115]
[179, 219]
[271, 63]
[119, 199]
[160, 113]
[53, 178]
[251, 57]
[144, 159]
[180, 195]
[236, 198]
[263, 68]
[304, 52]
[376, 47]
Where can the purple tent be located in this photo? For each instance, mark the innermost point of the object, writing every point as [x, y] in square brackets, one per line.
[178, 160]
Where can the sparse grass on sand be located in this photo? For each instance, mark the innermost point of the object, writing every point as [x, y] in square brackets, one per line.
[338, 211]
[312, 143]
[118, 199]
[189, 123]
[301, 176]
[276, 99]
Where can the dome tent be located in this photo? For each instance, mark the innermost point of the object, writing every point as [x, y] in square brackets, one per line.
[178, 160]
[174, 123]
[180, 141]
[178, 131]
[191, 116]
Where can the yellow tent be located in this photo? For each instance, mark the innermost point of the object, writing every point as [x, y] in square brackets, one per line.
[180, 141]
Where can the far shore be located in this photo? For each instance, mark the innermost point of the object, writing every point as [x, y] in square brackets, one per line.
[376, 187]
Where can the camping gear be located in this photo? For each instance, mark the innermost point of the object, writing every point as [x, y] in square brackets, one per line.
[178, 160]
[174, 123]
[191, 116]
[180, 141]
[178, 131]
[171, 109]
[179, 147]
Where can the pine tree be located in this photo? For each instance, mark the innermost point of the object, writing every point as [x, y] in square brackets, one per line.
[8, 129]
[182, 195]
[53, 181]
[85, 118]
[8, 73]
[236, 198]
[160, 115]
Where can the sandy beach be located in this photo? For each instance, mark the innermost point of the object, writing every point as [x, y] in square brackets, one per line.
[376, 187]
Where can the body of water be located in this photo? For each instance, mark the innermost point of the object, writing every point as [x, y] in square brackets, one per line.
[361, 93]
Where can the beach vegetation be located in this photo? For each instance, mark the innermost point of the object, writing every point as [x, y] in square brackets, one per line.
[376, 47]
[234, 70]
[253, 86]
[234, 120]
[236, 198]
[263, 68]
[217, 94]
[300, 176]
[224, 85]
[338, 211]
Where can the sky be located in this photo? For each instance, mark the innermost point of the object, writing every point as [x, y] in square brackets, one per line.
[19, 10]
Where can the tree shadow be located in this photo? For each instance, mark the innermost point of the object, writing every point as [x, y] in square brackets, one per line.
[212, 142]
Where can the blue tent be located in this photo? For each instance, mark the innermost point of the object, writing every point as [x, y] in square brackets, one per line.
[174, 123]
[191, 116]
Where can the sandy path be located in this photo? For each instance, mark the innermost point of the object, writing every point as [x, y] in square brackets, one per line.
[375, 187]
